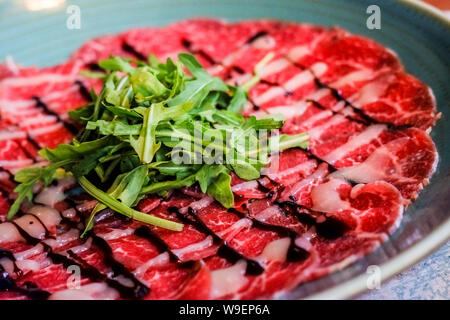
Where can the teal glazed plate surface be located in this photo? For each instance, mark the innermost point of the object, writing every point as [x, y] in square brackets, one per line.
[35, 32]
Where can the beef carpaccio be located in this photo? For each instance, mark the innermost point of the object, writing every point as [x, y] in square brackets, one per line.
[313, 213]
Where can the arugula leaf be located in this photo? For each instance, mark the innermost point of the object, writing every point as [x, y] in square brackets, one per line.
[82, 114]
[91, 74]
[116, 64]
[146, 145]
[147, 86]
[238, 100]
[207, 174]
[89, 162]
[168, 185]
[74, 150]
[197, 89]
[193, 65]
[270, 122]
[257, 70]
[124, 112]
[213, 180]
[220, 189]
[245, 170]
[283, 141]
[28, 178]
[125, 188]
[115, 127]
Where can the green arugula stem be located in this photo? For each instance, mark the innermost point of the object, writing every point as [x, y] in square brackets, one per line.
[119, 207]
[167, 185]
[298, 140]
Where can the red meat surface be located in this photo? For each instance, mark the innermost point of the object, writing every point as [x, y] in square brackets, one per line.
[311, 213]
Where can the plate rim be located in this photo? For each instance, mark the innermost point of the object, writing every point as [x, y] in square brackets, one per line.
[392, 267]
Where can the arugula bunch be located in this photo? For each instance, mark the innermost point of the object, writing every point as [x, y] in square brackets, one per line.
[154, 128]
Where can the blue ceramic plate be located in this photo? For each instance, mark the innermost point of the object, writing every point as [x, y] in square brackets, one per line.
[35, 32]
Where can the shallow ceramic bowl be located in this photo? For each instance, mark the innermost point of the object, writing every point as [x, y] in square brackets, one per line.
[419, 34]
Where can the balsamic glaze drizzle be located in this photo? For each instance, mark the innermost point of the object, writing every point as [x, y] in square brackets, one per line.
[33, 143]
[93, 274]
[238, 69]
[10, 256]
[188, 45]
[26, 151]
[46, 231]
[364, 119]
[256, 36]
[137, 290]
[7, 283]
[93, 66]
[40, 104]
[267, 186]
[330, 229]
[83, 90]
[162, 246]
[224, 251]
[294, 253]
[29, 289]
[130, 49]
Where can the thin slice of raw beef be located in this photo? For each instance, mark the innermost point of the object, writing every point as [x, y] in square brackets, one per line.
[37, 101]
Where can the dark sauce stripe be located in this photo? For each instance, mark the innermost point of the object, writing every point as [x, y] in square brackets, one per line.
[162, 246]
[224, 251]
[238, 69]
[10, 256]
[256, 36]
[40, 104]
[93, 66]
[47, 233]
[188, 46]
[338, 96]
[330, 228]
[83, 90]
[33, 142]
[4, 189]
[131, 50]
[294, 253]
[29, 289]
[364, 118]
[26, 151]
[138, 290]
[273, 84]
